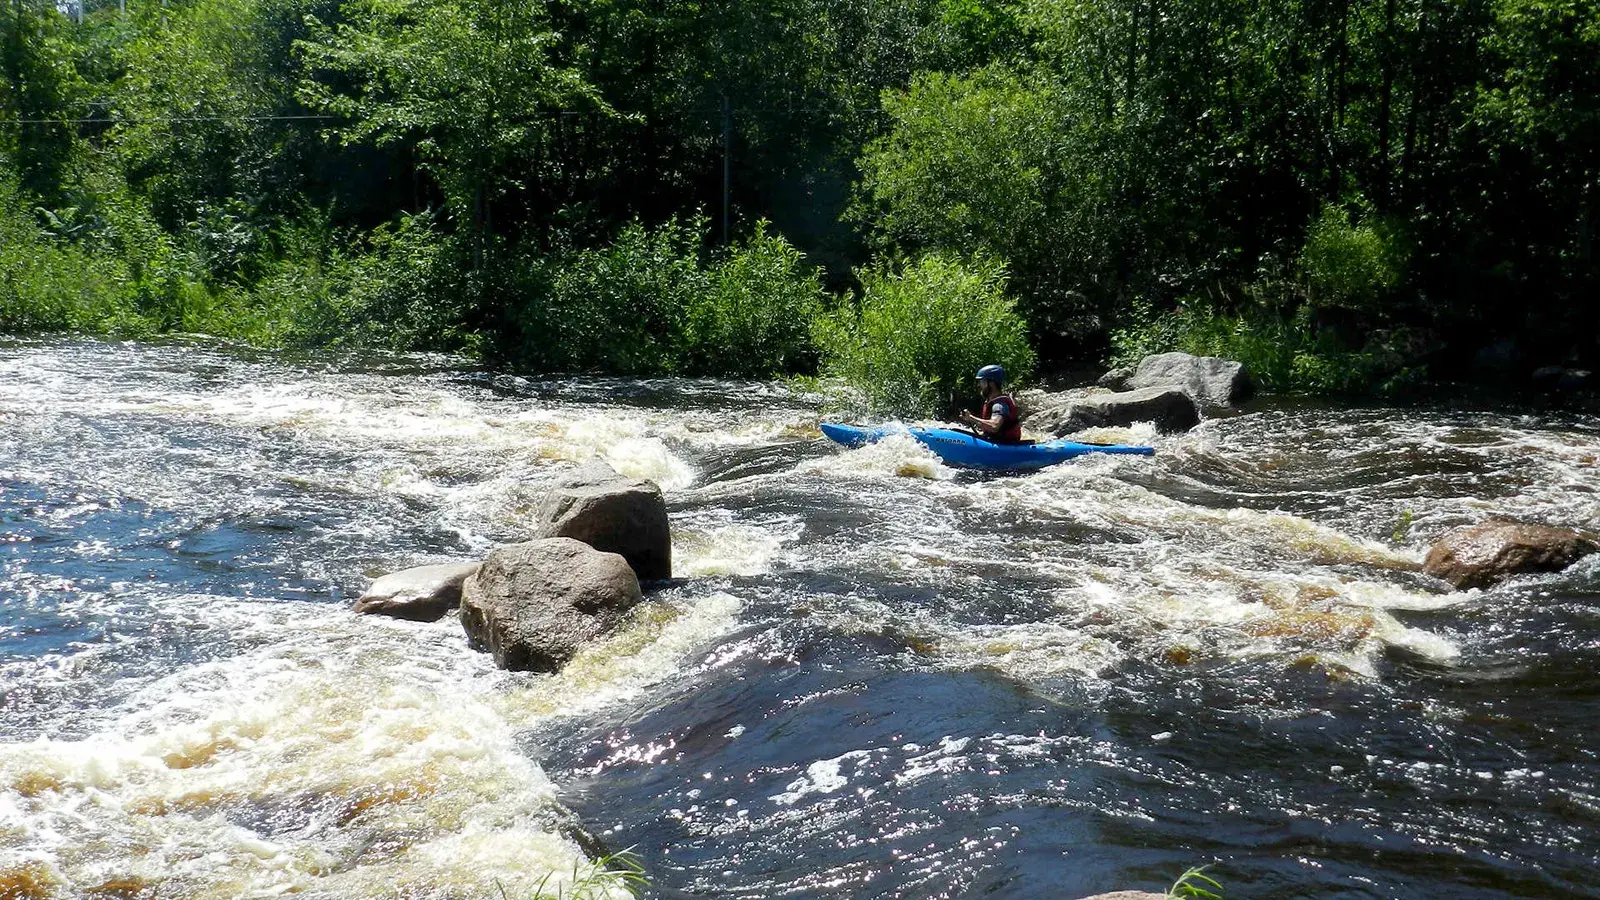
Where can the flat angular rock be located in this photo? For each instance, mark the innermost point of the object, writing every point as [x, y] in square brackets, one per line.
[1478, 556]
[535, 605]
[1170, 408]
[1211, 380]
[614, 514]
[421, 594]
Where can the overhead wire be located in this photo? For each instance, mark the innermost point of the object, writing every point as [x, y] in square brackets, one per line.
[161, 120]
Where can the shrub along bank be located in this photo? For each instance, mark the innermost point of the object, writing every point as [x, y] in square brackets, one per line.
[910, 343]
[1342, 193]
[654, 301]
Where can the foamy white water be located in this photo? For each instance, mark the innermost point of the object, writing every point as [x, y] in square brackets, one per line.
[191, 710]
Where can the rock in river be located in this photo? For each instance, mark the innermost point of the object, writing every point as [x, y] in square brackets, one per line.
[1128, 895]
[614, 514]
[1116, 379]
[1170, 408]
[421, 594]
[534, 605]
[1481, 555]
[1211, 380]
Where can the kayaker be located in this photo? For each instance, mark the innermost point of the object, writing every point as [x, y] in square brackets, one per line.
[1001, 420]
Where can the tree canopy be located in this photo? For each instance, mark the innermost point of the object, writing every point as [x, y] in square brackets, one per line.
[1374, 178]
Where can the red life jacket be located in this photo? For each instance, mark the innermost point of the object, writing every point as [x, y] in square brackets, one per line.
[1010, 426]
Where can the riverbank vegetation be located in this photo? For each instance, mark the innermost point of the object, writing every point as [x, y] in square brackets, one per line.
[908, 344]
[1348, 195]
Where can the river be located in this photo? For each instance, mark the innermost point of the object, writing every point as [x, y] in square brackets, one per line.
[874, 677]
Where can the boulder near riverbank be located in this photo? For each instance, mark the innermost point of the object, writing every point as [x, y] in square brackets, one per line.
[1168, 407]
[1212, 381]
[1170, 390]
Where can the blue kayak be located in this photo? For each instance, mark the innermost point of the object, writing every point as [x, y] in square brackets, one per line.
[963, 448]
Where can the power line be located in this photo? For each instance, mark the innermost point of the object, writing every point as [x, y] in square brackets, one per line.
[710, 110]
[164, 120]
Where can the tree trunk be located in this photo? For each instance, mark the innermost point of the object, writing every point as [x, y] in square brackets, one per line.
[1133, 54]
[1385, 102]
[1408, 162]
[477, 225]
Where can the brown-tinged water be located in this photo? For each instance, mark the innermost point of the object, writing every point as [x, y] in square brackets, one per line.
[875, 677]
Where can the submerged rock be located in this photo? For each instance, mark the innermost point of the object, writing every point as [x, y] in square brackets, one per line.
[421, 594]
[534, 605]
[1170, 408]
[1211, 380]
[1128, 895]
[614, 514]
[1481, 555]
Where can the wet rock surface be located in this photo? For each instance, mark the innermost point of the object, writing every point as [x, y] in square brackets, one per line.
[1561, 379]
[613, 514]
[1127, 895]
[1170, 408]
[1116, 379]
[420, 594]
[1479, 556]
[534, 605]
[1211, 380]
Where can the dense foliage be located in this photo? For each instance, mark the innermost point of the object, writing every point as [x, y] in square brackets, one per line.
[1346, 193]
[649, 304]
[919, 332]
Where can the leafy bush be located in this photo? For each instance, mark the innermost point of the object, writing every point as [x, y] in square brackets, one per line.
[50, 284]
[911, 343]
[620, 308]
[1348, 265]
[166, 283]
[755, 319]
[648, 304]
[403, 288]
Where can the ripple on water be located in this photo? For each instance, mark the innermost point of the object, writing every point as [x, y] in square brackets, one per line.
[341, 758]
[878, 676]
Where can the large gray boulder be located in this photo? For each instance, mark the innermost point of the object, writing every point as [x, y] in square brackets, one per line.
[1210, 380]
[1481, 555]
[1170, 408]
[421, 594]
[614, 514]
[534, 605]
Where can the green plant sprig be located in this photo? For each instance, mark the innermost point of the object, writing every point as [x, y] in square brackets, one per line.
[1188, 885]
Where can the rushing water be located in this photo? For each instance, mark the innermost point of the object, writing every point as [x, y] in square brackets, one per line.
[875, 677]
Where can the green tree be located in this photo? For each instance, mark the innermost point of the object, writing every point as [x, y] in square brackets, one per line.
[41, 93]
[476, 87]
[194, 104]
[990, 163]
